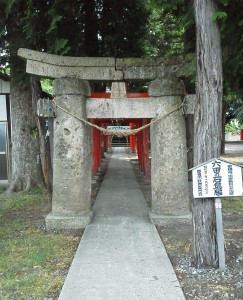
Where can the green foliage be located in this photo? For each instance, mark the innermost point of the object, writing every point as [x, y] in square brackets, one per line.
[232, 45]
[239, 114]
[224, 2]
[234, 104]
[12, 38]
[5, 70]
[165, 29]
[54, 24]
[46, 85]
[233, 126]
[32, 129]
[121, 27]
[219, 15]
[118, 28]
[9, 6]
[60, 46]
[87, 28]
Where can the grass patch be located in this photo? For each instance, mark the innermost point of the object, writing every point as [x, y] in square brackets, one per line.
[174, 245]
[22, 201]
[235, 204]
[2, 190]
[33, 262]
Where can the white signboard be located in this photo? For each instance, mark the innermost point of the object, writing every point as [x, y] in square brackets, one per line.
[118, 128]
[217, 178]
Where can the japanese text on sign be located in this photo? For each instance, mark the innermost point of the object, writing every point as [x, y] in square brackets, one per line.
[118, 127]
[217, 178]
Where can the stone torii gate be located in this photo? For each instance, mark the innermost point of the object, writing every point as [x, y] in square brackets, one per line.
[71, 198]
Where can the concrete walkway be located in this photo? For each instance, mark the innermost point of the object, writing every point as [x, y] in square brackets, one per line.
[121, 256]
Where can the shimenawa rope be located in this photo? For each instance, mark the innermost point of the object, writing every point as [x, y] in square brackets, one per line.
[118, 133]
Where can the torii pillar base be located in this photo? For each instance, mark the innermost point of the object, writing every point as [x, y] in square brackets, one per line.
[169, 174]
[69, 222]
[71, 196]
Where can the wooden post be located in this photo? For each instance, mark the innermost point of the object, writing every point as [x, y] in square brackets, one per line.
[107, 140]
[96, 149]
[145, 146]
[140, 149]
[220, 232]
[99, 139]
[131, 137]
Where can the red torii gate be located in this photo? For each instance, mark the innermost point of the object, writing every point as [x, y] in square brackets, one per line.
[139, 143]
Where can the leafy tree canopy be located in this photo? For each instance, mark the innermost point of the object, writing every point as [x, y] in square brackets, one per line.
[120, 28]
[230, 17]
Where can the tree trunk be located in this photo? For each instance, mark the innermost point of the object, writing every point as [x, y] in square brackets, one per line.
[223, 127]
[26, 166]
[208, 126]
[189, 142]
[44, 144]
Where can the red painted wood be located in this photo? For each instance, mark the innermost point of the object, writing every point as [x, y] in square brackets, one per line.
[100, 95]
[99, 148]
[107, 140]
[129, 95]
[132, 139]
[241, 134]
[140, 149]
[146, 160]
[102, 144]
[137, 95]
[96, 148]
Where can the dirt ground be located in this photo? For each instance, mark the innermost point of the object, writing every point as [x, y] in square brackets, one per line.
[202, 284]
[197, 284]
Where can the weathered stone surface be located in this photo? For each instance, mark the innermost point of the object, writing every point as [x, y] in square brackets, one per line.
[122, 63]
[189, 104]
[71, 86]
[140, 68]
[166, 87]
[139, 73]
[118, 89]
[150, 69]
[58, 60]
[69, 222]
[111, 108]
[124, 108]
[86, 73]
[167, 220]
[101, 68]
[71, 195]
[169, 159]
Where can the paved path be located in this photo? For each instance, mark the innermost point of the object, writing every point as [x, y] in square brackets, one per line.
[234, 148]
[121, 256]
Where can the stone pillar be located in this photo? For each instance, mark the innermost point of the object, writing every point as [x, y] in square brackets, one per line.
[71, 197]
[168, 155]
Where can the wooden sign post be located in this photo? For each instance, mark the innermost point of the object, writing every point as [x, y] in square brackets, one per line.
[217, 178]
